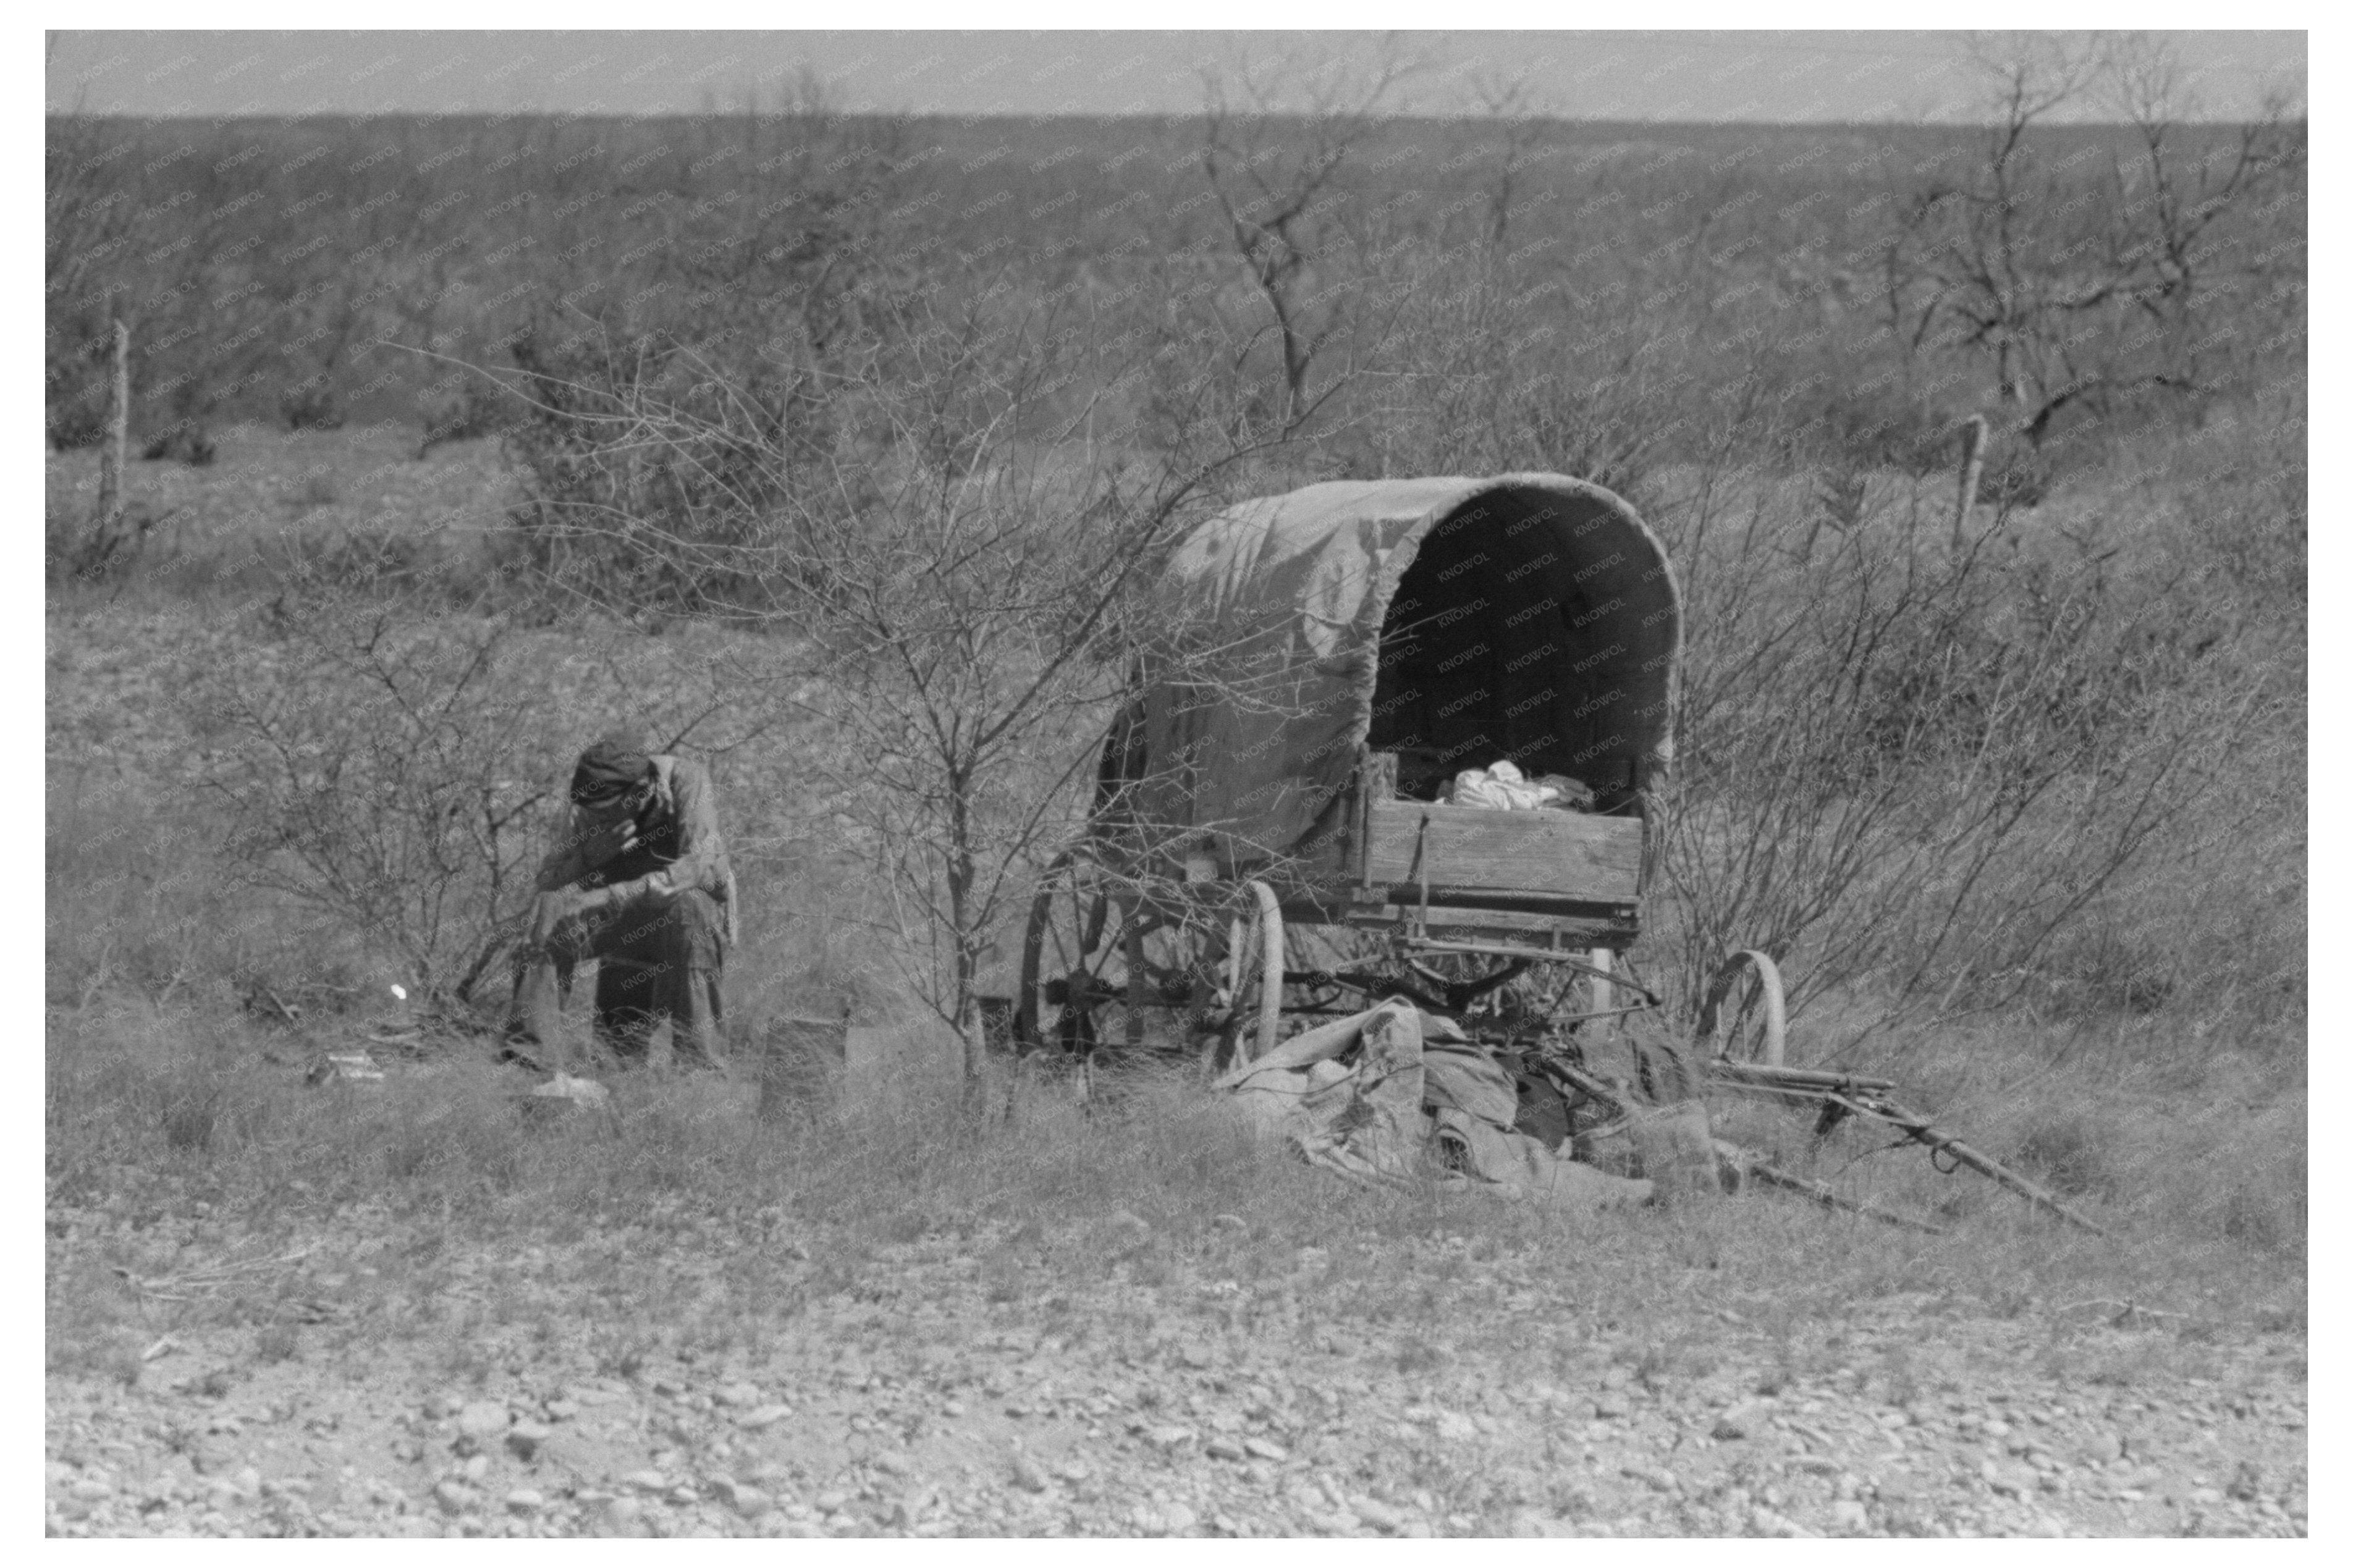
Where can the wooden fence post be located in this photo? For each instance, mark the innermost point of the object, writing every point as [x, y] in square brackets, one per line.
[1973, 446]
[110, 498]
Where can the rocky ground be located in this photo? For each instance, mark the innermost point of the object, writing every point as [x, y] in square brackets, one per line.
[947, 1392]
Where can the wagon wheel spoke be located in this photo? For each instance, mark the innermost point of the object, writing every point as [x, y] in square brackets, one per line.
[1097, 912]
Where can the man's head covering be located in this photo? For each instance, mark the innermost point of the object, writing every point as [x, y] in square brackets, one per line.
[617, 764]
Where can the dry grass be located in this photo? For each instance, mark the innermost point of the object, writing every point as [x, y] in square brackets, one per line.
[183, 1154]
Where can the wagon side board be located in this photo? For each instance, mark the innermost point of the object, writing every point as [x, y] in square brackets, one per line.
[1467, 854]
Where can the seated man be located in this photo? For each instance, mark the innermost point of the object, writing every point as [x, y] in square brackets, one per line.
[640, 882]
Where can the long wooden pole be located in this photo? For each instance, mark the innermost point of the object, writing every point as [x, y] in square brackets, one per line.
[1917, 1127]
[1757, 1168]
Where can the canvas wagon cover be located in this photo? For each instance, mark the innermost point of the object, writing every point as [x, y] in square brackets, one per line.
[1249, 725]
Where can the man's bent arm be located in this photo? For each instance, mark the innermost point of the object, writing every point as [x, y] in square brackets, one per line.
[702, 853]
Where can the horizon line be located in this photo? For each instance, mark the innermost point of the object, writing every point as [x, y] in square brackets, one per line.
[736, 115]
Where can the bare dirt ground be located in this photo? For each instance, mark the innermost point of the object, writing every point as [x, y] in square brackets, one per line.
[956, 1386]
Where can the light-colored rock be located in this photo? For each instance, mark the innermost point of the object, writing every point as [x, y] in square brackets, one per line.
[525, 1500]
[1027, 1474]
[1849, 1516]
[1651, 1476]
[1125, 1231]
[1738, 1422]
[1765, 1521]
[760, 1417]
[749, 1502]
[2008, 1478]
[1265, 1448]
[484, 1420]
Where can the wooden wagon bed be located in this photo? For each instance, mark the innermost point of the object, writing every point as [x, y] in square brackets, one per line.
[1548, 878]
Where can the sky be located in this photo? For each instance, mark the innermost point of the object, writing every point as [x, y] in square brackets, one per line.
[1784, 77]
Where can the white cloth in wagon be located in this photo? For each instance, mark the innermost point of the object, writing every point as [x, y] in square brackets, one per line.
[1500, 786]
[1391, 1093]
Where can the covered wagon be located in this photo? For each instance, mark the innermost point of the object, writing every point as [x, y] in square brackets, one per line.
[1295, 759]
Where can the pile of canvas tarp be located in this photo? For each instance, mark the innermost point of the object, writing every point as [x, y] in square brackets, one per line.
[1394, 1092]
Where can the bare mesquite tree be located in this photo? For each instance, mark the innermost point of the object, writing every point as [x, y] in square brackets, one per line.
[1904, 773]
[1279, 175]
[1513, 110]
[388, 774]
[2077, 277]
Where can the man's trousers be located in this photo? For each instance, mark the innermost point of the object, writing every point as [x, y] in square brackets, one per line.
[653, 965]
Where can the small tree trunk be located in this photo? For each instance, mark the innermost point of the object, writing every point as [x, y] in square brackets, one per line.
[1973, 445]
[967, 940]
[971, 1028]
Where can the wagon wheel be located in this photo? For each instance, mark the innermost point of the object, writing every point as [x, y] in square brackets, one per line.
[1072, 962]
[1745, 1003]
[1253, 975]
[1098, 954]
